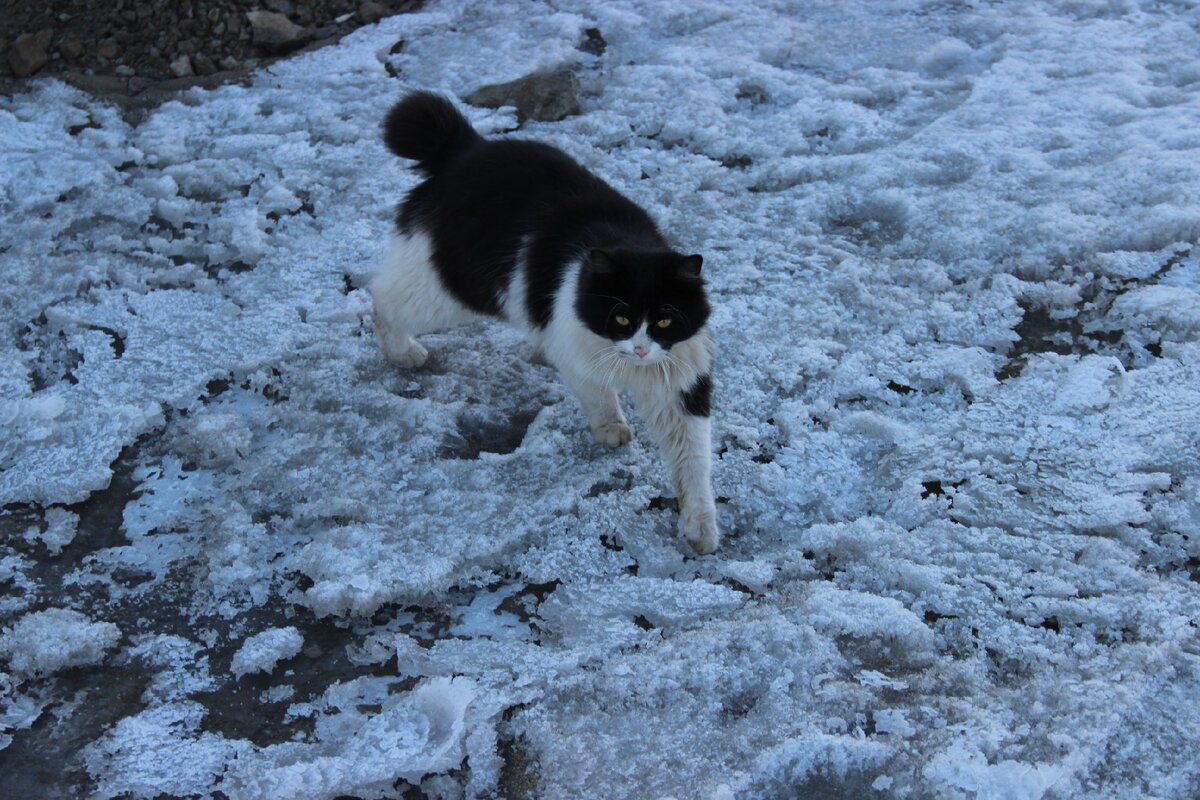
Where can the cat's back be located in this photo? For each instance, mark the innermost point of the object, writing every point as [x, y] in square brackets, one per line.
[507, 181]
[485, 201]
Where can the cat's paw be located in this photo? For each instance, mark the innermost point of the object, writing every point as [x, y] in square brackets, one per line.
[614, 434]
[702, 534]
[410, 355]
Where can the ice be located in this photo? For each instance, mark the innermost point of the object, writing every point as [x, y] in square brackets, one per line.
[419, 734]
[952, 255]
[17, 711]
[262, 651]
[1169, 312]
[964, 769]
[60, 530]
[45, 642]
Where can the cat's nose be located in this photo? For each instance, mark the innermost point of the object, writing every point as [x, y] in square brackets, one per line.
[640, 350]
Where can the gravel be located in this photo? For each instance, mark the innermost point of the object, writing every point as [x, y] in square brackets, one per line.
[131, 47]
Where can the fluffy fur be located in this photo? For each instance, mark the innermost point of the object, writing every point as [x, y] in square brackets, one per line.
[517, 230]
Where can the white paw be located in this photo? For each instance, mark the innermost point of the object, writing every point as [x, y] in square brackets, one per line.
[702, 534]
[614, 434]
[411, 355]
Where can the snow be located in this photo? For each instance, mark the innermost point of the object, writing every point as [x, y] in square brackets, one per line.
[419, 733]
[60, 530]
[262, 651]
[952, 255]
[48, 641]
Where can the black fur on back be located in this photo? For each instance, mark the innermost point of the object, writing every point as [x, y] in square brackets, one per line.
[483, 201]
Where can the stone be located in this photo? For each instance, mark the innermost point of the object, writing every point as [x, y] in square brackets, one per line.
[285, 7]
[544, 96]
[371, 12]
[181, 67]
[203, 64]
[124, 70]
[593, 42]
[26, 56]
[108, 49]
[276, 32]
[71, 50]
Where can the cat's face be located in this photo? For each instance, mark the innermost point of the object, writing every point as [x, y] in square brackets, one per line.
[644, 302]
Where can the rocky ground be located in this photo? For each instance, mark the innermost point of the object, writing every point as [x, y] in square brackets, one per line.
[143, 51]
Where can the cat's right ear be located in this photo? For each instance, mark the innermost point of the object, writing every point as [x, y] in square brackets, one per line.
[691, 264]
[601, 262]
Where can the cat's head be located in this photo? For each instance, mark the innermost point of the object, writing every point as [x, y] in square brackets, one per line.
[645, 302]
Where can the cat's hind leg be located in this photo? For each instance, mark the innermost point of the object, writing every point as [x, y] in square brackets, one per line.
[409, 299]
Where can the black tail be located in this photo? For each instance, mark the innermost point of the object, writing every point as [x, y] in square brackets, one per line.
[428, 129]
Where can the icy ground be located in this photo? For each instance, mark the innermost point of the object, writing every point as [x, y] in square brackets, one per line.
[953, 252]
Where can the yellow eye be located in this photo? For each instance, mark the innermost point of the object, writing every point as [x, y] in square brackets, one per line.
[623, 321]
[664, 323]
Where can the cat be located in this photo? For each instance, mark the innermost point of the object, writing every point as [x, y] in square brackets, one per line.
[518, 230]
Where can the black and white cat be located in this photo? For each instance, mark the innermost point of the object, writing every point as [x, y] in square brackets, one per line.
[517, 230]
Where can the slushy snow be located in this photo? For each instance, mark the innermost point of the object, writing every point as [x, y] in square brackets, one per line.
[952, 249]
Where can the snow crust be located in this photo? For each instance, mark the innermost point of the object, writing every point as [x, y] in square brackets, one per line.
[952, 255]
[47, 641]
[262, 651]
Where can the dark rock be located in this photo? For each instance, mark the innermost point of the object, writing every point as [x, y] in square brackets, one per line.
[71, 50]
[594, 43]
[108, 49]
[276, 32]
[371, 12]
[26, 56]
[285, 7]
[203, 64]
[543, 96]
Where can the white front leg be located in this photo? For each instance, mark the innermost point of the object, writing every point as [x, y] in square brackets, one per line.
[603, 409]
[681, 426]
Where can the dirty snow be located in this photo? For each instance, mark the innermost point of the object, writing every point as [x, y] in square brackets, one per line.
[952, 249]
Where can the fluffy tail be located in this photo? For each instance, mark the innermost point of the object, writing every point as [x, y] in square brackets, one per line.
[428, 129]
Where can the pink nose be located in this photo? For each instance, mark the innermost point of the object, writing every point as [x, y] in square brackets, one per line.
[641, 350]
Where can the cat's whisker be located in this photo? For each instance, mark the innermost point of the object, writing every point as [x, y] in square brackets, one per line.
[605, 363]
[598, 362]
[686, 321]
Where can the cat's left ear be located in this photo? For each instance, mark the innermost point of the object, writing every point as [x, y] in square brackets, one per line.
[601, 262]
[691, 264]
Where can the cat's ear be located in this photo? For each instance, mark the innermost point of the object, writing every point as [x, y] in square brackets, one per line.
[691, 264]
[601, 262]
